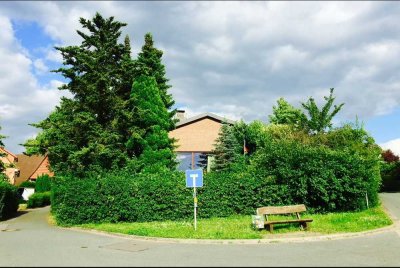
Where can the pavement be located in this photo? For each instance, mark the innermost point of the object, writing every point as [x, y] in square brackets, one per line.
[29, 240]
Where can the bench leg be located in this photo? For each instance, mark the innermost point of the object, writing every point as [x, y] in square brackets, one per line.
[270, 227]
[304, 226]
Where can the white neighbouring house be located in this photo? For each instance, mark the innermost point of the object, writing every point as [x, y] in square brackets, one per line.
[393, 145]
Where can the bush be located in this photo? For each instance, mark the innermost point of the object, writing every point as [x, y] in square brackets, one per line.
[321, 178]
[43, 184]
[39, 200]
[159, 197]
[281, 173]
[237, 192]
[327, 172]
[28, 184]
[121, 197]
[390, 173]
[8, 200]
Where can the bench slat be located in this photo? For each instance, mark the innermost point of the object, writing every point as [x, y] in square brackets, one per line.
[281, 210]
[287, 221]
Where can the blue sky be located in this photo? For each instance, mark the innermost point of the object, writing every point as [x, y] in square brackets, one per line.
[231, 58]
[31, 36]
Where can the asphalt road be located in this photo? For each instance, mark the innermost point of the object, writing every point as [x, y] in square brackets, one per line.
[29, 240]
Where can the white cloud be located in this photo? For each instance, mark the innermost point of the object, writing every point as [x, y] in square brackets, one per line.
[232, 58]
[286, 56]
[54, 56]
[22, 99]
[393, 145]
[40, 66]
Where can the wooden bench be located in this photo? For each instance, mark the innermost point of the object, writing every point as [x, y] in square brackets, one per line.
[283, 210]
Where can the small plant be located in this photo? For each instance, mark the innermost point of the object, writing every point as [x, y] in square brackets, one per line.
[28, 184]
[39, 200]
[8, 200]
[43, 184]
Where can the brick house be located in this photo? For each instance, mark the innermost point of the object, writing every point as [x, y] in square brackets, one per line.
[10, 161]
[31, 167]
[196, 138]
[20, 167]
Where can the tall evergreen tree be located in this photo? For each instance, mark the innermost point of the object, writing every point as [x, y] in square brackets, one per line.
[85, 132]
[108, 122]
[153, 145]
[149, 63]
[227, 148]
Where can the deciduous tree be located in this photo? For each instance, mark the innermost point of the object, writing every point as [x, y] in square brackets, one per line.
[320, 119]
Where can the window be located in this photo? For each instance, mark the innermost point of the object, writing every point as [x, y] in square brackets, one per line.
[198, 159]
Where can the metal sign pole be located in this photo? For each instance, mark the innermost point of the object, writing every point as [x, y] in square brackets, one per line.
[195, 209]
[194, 179]
[194, 201]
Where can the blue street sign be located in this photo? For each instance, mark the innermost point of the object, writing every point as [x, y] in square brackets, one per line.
[194, 178]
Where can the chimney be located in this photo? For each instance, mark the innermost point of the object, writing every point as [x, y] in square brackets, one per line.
[180, 114]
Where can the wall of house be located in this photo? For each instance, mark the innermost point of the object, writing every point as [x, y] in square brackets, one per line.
[199, 136]
[42, 169]
[10, 173]
[9, 159]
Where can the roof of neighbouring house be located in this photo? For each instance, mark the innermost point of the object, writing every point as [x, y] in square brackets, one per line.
[212, 116]
[27, 166]
[8, 152]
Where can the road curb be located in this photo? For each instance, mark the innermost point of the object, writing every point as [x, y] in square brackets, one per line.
[395, 226]
[316, 238]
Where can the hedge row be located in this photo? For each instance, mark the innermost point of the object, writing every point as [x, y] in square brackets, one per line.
[323, 179]
[156, 197]
[280, 172]
[120, 197]
[39, 200]
[43, 184]
[8, 200]
[27, 184]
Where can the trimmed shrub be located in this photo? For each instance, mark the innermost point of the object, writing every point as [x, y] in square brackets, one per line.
[43, 184]
[237, 192]
[121, 197]
[321, 178]
[158, 197]
[28, 184]
[8, 200]
[39, 200]
[327, 172]
[390, 173]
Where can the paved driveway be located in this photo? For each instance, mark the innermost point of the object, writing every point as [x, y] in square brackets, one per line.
[29, 240]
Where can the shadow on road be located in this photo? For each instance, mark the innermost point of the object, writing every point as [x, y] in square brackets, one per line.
[16, 215]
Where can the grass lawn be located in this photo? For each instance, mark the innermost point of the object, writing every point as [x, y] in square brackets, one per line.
[22, 207]
[239, 227]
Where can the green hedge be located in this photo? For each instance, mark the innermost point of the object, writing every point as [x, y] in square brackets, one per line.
[28, 184]
[321, 178]
[280, 172]
[39, 200]
[8, 200]
[43, 184]
[156, 197]
[121, 197]
[390, 173]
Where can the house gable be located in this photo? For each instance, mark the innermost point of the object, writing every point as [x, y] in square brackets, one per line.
[32, 166]
[42, 169]
[196, 134]
[9, 159]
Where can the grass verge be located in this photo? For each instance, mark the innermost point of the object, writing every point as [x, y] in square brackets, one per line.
[22, 207]
[239, 226]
